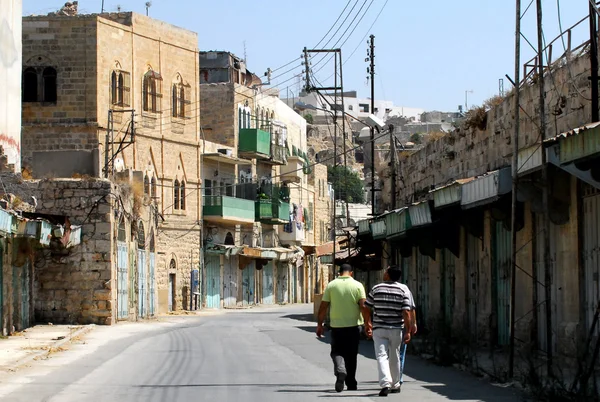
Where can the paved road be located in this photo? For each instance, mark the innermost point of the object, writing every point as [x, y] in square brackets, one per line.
[266, 354]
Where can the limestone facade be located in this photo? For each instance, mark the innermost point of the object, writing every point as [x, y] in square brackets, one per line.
[146, 72]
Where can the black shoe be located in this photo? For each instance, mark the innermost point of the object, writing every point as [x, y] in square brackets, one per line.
[339, 382]
[396, 390]
[352, 387]
[384, 391]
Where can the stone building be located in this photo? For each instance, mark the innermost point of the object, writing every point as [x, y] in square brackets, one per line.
[451, 230]
[258, 203]
[117, 94]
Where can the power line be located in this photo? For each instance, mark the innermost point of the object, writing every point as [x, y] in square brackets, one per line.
[364, 37]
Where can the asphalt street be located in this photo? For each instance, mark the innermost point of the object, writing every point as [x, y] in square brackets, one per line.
[262, 354]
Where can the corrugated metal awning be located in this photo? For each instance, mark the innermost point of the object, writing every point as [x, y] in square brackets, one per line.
[449, 194]
[420, 214]
[378, 228]
[364, 227]
[397, 222]
[486, 189]
[579, 143]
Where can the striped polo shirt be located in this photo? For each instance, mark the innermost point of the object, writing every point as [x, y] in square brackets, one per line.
[388, 300]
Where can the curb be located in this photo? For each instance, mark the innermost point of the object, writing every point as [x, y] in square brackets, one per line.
[44, 353]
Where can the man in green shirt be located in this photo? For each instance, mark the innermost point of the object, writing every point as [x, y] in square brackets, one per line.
[345, 297]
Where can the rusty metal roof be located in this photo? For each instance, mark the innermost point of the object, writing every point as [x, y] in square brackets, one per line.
[570, 133]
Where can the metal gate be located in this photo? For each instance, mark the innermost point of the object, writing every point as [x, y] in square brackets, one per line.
[448, 286]
[591, 254]
[267, 290]
[213, 281]
[282, 282]
[501, 256]
[142, 284]
[171, 291]
[541, 281]
[294, 283]
[422, 290]
[152, 284]
[472, 279]
[122, 285]
[248, 285]
[230, 282]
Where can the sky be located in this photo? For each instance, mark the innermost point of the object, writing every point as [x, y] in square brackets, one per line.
[428, 54]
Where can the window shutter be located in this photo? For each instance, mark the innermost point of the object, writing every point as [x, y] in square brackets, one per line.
[126, 89]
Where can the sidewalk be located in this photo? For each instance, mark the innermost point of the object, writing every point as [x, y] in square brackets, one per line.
[38, 342]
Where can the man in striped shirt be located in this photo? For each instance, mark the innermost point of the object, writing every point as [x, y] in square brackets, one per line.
[392, 303]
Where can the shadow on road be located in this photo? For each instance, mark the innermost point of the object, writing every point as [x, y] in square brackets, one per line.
[448, 382]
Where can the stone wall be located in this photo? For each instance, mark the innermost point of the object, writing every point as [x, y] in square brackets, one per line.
[471, 152]
[323, 207]
[77, 285]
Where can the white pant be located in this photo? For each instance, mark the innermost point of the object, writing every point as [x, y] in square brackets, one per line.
[388, 365]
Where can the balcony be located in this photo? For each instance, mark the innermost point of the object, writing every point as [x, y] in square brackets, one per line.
[272, 212]
[224, 209]
[254, 143]
[278, 155]
[293, 171]
[295, 235]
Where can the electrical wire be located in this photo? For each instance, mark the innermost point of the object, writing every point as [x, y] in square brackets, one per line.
[364, 37]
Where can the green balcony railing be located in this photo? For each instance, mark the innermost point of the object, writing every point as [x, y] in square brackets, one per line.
[273, 212]
[255, 142]
[220, 207]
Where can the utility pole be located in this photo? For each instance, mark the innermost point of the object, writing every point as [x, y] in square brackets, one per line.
[594, 61]
[545, 191]
[335, 151]
[345, 139]
[515, 176]
[372, 77]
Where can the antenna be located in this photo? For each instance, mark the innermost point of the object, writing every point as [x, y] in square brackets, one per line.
[245, 56]
[148, 5]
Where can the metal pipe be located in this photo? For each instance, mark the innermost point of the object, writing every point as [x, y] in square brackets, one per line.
[372, 72]
[594, 61]
[515, 175]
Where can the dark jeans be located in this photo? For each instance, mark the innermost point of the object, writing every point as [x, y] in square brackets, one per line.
[344, 352]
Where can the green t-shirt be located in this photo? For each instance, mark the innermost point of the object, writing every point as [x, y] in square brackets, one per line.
[343, 295]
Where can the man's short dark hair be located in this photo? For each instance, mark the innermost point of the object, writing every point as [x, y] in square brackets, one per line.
[346, 268]
[394, 272]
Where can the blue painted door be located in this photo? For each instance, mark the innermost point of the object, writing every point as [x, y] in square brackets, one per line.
[142, 284]
[122, 275]
[248, 286]
[267, 283]
[152, 285]
[213, 281]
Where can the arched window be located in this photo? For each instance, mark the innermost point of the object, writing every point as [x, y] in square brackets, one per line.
[30, 85]
[151, 91]
[229, 239]
[146, 185]
[50, 92]
[182, 195]
[113, 88]
[172, 265]
[153, 187]
[141, 236]
[176, 194]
